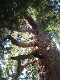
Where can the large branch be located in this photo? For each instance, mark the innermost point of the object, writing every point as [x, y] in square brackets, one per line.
[22, 57]
[32, 23]
[28, 56]
[20, 44]
[24, 31]
[34, 53]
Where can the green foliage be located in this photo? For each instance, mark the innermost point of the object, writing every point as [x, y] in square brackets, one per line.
[12, 11]
[1, 73]
[12, 14]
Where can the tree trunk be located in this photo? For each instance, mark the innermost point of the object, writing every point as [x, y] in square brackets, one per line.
[49, 59]
[51, 56]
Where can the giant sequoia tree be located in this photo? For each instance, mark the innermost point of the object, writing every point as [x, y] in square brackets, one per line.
[15, 12]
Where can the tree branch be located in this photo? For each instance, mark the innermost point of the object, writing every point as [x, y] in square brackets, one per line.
[32, 23]
[29, 31]
[34, 53]
[20, 68]
[20, 44]
[22, 57]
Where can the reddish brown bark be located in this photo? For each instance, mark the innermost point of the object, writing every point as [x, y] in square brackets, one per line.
[50, 61]
[49, 64]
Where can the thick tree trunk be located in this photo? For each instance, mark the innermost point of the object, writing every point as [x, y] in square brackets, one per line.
[52, 61]
[51, 56]
[49, 59]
